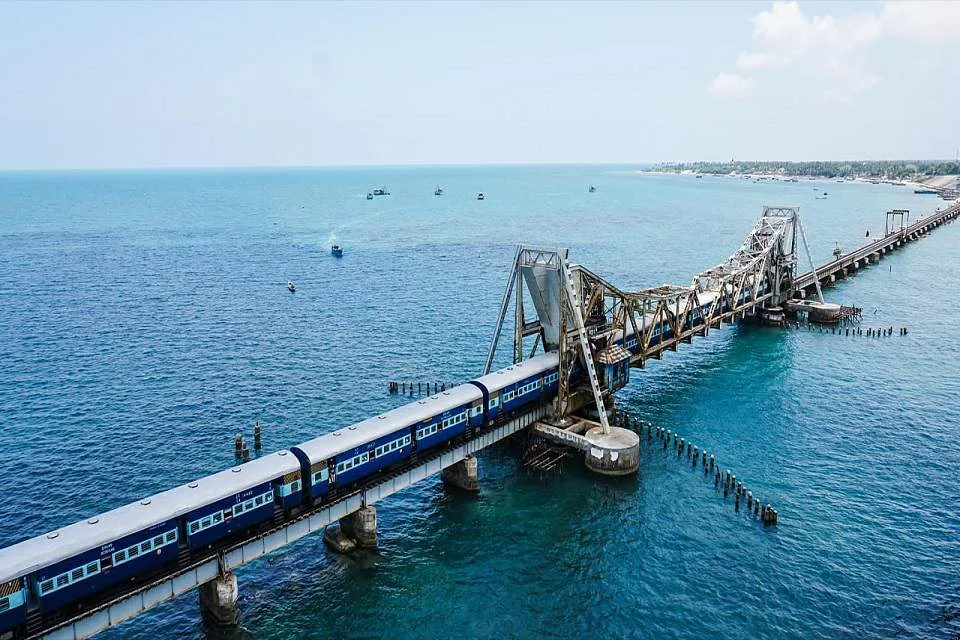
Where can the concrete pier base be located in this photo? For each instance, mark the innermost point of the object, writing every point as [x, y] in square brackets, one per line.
[337, 540]
[614, 454]
[361, 527]
[218, 601]
[462, 475]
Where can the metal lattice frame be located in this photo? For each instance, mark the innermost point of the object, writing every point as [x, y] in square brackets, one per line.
[764, 266]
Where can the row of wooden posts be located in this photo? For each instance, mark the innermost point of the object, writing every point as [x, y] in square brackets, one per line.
[417, 388]
[860, 331]
[724, 480]
[241, 451]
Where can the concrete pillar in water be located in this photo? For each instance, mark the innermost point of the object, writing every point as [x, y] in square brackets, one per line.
[462, 475]
[361, 526]
[359, 529]
[218, 601]
[612, 454]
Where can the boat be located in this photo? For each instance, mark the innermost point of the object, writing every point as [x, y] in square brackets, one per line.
[699, 175]
[438, 191]
[381, 191]
[369, 196]
[925, 191]
[336, 251]
[480, 196]
[592, 189]
[292, 287]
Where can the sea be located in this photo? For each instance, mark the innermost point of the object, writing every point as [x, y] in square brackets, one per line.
[145, 320]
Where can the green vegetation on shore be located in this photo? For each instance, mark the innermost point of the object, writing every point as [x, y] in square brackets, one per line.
[880, 169]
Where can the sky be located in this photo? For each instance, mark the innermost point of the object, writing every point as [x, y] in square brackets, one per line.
[177, 84]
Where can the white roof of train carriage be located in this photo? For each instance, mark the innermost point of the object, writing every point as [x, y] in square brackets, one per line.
[361, 433]
[35, 553]
[496, 380]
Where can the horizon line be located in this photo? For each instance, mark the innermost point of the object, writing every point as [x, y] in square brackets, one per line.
[502, 163]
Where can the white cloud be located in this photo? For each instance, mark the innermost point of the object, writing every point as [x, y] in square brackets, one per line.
[731, 84]
[923, 20]
[832, 49]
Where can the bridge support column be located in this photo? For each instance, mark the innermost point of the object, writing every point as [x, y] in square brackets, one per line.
[462, 475]
[218, 601]
[613, 454]
[361, 526]
[357, 530]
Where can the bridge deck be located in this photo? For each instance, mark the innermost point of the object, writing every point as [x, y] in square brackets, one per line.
[882, 245]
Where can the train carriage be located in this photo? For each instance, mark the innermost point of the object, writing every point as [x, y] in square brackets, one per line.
[369, 446]
[132, 541]
[87, 573]
[240, 497]
[13, 604]
[518, 385]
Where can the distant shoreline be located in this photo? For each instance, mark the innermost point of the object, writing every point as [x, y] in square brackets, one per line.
[917, 174]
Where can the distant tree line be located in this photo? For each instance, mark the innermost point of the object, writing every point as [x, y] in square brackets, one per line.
[881, 169]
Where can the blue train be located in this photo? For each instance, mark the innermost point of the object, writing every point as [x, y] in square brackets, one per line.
[62, 569]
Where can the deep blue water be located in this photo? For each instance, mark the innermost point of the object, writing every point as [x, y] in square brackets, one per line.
[144, 320]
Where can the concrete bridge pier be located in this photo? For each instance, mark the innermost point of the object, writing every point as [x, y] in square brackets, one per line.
[218, 601]
[357, 530]
[612, 454]
[462, 475]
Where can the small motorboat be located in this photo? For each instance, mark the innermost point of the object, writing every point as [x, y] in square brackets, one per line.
[336, 251]
[480, 196]
[438, 191]
[369, 196]
[592, 189]
[292, 287]
[381, 191]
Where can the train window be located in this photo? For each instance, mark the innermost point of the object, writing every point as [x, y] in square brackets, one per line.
[46, 586]
[206, 522]
[158, 542]
[4, 604]
[146, 546]
[194, 527]
[121, 556]
[172, 535]
[77, 574]
[93, 567]
[62, 580]
[132, 552]
[296, 485]
[217, 519]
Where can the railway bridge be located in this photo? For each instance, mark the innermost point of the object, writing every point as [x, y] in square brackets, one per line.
[569, 359]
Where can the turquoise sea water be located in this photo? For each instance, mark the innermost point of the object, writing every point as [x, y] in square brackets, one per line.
[144, 320]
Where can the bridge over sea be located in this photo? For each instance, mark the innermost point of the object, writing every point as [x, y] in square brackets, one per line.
[569, 360]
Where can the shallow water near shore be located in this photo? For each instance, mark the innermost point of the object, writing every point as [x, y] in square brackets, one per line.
[145, 321]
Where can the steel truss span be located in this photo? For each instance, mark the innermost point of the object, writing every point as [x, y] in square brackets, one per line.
[590, 321]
